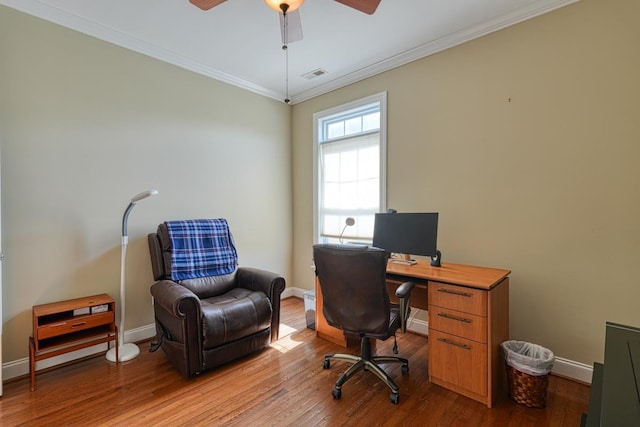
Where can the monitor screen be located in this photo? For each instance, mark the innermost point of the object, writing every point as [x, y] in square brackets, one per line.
[406, 233]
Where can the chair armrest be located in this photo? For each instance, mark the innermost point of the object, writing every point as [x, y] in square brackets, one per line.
[175, 298]
[271, 284]
[178, 316]
[404, 290]
[404, 295]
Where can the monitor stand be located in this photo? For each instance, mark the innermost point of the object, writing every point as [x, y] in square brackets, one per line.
[403, 259]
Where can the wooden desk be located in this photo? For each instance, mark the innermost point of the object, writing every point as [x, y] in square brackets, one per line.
[468, 320]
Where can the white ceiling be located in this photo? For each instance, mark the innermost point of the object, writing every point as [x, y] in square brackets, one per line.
[239, 41]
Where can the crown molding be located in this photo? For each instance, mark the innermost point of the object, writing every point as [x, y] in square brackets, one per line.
[101, 32]
[94, 29]
[431, 48]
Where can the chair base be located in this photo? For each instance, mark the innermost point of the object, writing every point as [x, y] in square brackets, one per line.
[366, 362]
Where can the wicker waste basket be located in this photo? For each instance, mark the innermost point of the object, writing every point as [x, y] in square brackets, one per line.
[528, 368]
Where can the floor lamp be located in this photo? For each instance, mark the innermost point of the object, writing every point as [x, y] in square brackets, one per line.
[130, 350]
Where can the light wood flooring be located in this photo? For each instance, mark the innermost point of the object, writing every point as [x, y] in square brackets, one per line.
[284, 385]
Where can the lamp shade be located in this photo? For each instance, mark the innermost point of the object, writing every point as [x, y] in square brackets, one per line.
[347, 223]
[284, 6]
[143, 195]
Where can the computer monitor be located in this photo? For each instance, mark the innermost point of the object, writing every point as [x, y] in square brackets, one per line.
[406, 234]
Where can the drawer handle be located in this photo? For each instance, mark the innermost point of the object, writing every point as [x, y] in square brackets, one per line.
[461, 294]
[77, 325]
[56, 325]
[457, 344]
[450, 317]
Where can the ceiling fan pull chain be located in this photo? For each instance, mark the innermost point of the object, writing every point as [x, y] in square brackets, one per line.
[285, 47]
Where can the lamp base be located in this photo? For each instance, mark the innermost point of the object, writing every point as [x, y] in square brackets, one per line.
[126, 352]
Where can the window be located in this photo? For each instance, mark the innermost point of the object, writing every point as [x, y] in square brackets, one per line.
[349, 169]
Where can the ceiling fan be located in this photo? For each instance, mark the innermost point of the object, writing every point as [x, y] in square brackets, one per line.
[290, 24]
[366, 6]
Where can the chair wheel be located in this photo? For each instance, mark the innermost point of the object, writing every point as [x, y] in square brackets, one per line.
[394, 398]
[405, 369]
[326, 364]
[337, 393]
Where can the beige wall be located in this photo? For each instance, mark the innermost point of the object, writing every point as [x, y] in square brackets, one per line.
[85, 125]
[527, 142]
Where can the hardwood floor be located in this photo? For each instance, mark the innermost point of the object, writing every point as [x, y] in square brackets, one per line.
[284, 385]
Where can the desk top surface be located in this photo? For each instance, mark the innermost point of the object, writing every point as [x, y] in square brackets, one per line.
[68, 305]
[457, 274]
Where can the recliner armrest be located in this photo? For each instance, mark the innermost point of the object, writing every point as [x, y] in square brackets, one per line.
[175, 298]
[270, 283]
[404, 294]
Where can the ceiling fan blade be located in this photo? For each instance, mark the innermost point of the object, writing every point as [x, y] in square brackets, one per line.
[294, 27]
[366, 6]
[206, 4]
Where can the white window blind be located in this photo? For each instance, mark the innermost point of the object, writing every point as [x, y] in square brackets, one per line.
[350, 170]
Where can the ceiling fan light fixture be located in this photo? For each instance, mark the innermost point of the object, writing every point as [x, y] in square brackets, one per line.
[284, 6]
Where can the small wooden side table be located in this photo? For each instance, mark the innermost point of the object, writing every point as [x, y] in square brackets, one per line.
[66, 326]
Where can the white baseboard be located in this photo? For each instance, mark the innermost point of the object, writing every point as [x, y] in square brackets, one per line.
[418, 326]
[293, 292]
[573, 370]
[18, 368]
[563, 367]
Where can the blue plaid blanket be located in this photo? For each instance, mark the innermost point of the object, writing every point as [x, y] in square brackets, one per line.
[201, 248]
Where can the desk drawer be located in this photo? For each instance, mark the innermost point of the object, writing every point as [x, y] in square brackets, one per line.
[458, 298]
[457, 323]
[80, 323]
[458, 361]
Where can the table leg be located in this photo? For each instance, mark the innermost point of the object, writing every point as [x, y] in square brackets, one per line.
[32, 363]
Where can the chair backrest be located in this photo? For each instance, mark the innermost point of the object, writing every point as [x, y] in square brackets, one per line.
[354, 289]
[161, 252]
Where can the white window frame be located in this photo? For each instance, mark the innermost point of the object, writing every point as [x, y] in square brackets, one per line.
[318, 117]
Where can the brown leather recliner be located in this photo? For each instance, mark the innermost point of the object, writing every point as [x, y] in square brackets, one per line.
[204, 322]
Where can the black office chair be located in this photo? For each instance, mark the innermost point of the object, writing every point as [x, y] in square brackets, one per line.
[355, 299]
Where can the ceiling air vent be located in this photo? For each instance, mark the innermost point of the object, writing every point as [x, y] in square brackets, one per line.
[315, 73]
